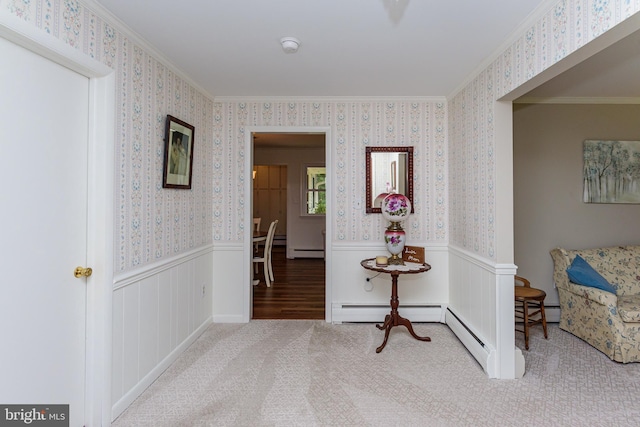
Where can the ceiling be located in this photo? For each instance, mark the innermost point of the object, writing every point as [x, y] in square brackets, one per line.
[611, 74]
[348, 47]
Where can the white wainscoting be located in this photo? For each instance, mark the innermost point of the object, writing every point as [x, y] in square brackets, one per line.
[422, 296]
[481, 297]
[232, 294]
[346, 313]
[158, 312]
[353, 298]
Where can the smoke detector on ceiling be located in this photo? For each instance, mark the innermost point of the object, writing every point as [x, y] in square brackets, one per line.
[290, 44]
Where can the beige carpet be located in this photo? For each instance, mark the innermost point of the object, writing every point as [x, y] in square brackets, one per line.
[310, 373]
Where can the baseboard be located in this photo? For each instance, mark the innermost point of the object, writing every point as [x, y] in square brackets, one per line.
[354, 313]
[126, 400]
[552, 313]
[228, 318]
[306, 253]
[519, 364]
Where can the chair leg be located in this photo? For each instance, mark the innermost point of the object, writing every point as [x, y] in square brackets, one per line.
[266, 273]
[544, 320]
[526, 325]
[271, 270]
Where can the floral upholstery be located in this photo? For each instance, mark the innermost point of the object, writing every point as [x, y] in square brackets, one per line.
[629, 308]
[610, 323]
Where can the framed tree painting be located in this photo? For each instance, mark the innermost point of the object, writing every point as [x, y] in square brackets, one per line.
[611, 171]
[178, 154]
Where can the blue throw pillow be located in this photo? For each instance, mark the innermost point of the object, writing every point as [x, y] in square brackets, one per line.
[582, 273]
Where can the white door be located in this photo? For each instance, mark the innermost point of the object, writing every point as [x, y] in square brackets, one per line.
[43, 212]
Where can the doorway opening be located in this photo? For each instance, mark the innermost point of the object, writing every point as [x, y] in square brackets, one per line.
[279, 174]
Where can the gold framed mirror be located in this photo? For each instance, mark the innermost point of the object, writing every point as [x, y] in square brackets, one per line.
[388, 169]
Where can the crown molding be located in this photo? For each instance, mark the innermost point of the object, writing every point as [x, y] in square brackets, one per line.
[260, 99]
[136, 38]
[577, 100]
[530, 21]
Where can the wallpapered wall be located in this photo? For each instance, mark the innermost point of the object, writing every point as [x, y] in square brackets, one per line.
[151, 223]
[354, 124]
[566, 27]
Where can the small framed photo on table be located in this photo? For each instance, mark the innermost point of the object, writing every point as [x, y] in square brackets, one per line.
[178, 154]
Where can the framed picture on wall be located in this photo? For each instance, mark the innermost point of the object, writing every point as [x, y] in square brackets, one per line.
[611, 171]
[178, 154]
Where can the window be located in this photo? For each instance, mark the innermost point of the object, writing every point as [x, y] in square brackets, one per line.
[315, 190]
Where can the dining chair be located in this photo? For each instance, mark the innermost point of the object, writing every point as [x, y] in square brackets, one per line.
[265, 257]
[256, 227]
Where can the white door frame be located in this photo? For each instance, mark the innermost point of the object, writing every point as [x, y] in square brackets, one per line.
[100, 204]
[247, 247]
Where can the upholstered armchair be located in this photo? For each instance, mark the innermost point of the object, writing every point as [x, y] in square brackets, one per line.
[609, 321]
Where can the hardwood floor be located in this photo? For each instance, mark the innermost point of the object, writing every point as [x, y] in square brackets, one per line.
[298, 291]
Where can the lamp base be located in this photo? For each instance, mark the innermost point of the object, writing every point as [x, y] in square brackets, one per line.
[394, 238]
[395, 260]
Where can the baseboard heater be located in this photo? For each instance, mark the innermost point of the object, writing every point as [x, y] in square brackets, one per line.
[374, 313]
[484, 353]
[480, 351]
[466, 327]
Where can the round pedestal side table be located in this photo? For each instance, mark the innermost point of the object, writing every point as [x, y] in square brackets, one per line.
[394, 319]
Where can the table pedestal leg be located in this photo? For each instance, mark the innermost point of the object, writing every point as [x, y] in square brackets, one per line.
[394, 319]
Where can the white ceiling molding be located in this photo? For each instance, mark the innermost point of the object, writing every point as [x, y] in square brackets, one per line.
[578, 100]
[535, 16]
[329, 98]
[128, 32]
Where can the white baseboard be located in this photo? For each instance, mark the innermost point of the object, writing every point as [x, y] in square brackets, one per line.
[552, 314]
[519, 364]
[305, 253]
[228, 318]
[126, 400]
[345, 313]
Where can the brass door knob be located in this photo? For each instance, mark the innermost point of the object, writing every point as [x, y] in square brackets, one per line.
[82, 272]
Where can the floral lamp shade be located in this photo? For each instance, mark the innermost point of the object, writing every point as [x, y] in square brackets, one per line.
[396, 207]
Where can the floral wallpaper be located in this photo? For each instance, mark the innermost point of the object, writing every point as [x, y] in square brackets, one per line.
[455, 165]
[566, 27]
[354, 124]
[151, 223]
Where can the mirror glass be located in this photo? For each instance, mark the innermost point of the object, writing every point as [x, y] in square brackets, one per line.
[389, 169]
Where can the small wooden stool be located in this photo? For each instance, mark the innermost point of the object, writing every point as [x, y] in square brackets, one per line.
[525, 297]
